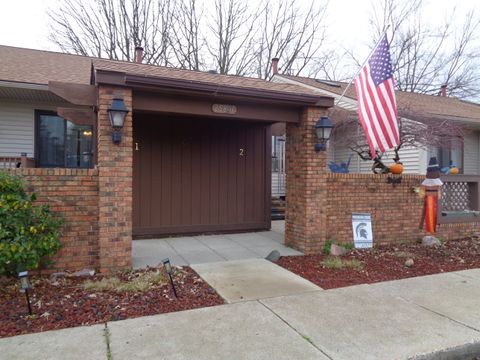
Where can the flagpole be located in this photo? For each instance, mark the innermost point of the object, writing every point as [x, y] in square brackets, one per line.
[361, 67]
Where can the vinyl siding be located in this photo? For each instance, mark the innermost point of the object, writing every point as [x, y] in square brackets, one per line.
[17, 128]
[413, 159]
[471, 154]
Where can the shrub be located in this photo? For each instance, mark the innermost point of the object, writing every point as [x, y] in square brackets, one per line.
[29, 235]
[327, 247]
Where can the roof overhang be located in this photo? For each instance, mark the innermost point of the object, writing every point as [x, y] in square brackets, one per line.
[27, 92]
[196, 88]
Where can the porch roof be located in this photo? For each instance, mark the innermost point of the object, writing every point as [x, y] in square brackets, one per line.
[408, 103]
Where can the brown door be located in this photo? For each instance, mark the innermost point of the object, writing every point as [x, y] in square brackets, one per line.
[199, 175]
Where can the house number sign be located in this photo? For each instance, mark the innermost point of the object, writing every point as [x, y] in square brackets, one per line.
[224, 109]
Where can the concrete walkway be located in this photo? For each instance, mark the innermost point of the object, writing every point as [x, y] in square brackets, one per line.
[252, 279]
[412, 318]
[211, 248]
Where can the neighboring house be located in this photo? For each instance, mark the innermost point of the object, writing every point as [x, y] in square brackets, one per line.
[466, 114]
[201, 141]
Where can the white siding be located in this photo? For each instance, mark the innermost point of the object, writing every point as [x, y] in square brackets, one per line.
[471, 154]
[413, 159]
[17, 127]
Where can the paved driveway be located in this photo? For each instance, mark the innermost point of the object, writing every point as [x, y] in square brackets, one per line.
[211, 248]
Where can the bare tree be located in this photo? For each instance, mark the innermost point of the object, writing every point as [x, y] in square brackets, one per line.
[113, 28]
[232, 30]
[187, 41]
[232, 37]
[426, 57]
[291, 34]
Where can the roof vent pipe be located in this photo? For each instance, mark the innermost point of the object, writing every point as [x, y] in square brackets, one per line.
[139, 54]
[443, 90]
[275, 66]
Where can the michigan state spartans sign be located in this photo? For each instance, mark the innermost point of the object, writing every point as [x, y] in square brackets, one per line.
[362, 230]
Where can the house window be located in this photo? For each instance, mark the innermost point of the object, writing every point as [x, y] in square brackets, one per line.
[451, 154]
[61, 143]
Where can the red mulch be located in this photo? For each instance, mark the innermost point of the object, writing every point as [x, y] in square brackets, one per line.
[387, 262]
[63, 302]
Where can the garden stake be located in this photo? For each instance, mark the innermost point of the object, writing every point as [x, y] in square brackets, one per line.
[25, 285]
[28, 302]
[173, 286]
[168, 268]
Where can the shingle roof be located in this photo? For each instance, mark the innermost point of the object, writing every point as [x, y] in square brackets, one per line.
[198, 76]
[40, 67]
[407, 102]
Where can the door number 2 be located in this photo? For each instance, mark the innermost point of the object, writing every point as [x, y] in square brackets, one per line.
[242, 152]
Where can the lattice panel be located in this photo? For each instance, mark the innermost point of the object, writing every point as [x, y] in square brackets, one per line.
[456, 196]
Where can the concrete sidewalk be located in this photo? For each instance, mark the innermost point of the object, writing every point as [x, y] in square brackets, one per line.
[392, 320]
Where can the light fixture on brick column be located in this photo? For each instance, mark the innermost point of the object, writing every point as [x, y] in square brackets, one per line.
[117, 113]
[323, 129]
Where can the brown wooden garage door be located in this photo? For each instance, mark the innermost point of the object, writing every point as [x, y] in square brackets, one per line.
[199, 175]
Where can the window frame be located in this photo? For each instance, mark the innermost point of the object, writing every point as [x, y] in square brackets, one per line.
[38, 114]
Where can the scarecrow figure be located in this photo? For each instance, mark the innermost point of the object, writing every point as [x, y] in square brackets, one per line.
[432, 185]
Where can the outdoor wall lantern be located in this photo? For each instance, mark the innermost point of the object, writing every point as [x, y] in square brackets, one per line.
[24, 287]
[323, 129]
[169, 270]
[117, 113]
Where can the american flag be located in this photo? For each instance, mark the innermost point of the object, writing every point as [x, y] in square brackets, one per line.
[377, 108]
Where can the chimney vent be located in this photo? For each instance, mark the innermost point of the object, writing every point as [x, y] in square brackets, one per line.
[139, 54]
[443, 90]
[275, 66]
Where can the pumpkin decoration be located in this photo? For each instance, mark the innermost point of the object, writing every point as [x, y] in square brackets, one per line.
[454, 170]
[396, 168]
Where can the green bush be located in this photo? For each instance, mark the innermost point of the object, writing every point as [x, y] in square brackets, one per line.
[327, 247]
[29, 235]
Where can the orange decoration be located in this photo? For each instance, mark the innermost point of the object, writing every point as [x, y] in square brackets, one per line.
[396, 168]
[454, 171]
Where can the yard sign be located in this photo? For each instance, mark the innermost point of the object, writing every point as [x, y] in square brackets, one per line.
[362, 230]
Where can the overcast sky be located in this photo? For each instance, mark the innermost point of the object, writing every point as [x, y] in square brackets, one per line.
[24, 23]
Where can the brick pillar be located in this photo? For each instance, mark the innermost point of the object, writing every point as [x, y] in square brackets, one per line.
[305, 217]
[115, 184]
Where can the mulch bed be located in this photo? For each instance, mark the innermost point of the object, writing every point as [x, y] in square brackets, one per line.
[63, 302]
[387, 262]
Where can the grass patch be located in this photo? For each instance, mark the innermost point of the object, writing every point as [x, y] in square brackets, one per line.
[306, 338]
[142, 282]
[338, 263]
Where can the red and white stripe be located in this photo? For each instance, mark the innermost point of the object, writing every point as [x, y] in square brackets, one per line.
[377, 111]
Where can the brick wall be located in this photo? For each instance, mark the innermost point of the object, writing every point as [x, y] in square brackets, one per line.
[73, 193]
[396, 210]
[305, 217]
[115, 178]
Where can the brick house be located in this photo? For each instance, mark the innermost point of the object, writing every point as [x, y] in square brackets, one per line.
[194, 154]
